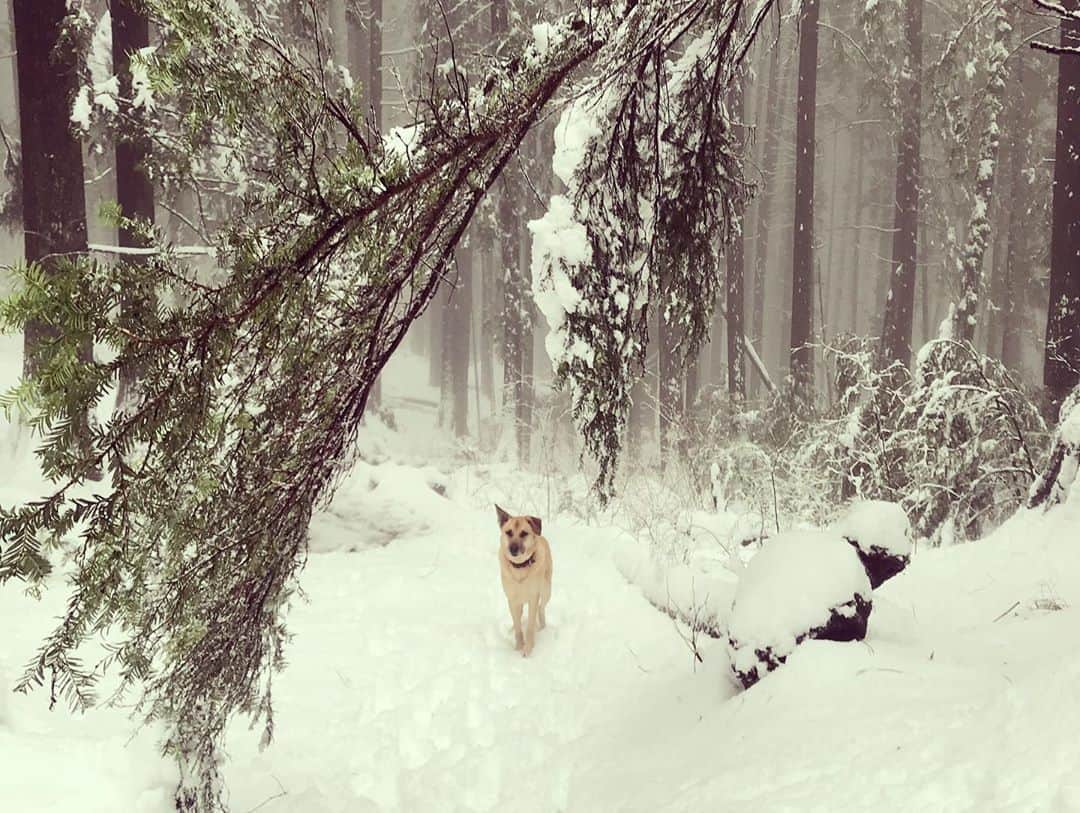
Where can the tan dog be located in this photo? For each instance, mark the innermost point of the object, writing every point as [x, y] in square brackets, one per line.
[525, 566]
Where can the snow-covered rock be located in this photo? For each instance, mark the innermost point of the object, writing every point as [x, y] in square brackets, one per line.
[803, 584]
[881, 535]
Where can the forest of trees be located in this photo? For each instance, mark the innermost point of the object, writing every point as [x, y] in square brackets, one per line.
[713, 208]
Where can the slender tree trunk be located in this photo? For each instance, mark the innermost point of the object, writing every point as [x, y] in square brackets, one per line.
[802, 278]
[514, 313]
[54, 206]
[435, 318]
[770, 154]
[1061, 369]
[458, 344]
[526, 389]
[900, 301]
[134, 191]
[374, 72]
[978, 231]
[487, 335]
[856, 220]
[1014, 283]
[670, 388]
[735, 273]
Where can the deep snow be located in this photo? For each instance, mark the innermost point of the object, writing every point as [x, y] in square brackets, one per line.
[403, 690]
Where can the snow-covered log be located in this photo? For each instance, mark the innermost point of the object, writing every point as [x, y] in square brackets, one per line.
[803, 584]
[1054, 484]
[881, 535]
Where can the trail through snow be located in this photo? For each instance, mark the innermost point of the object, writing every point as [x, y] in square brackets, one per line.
[403, 691]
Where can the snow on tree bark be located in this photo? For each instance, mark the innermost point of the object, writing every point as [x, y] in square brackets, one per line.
[969, 264]
[735, 256]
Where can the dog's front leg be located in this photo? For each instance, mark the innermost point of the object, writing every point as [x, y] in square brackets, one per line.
[530, 630]
[515, 615]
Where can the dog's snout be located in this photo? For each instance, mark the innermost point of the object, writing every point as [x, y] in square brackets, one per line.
[515, 549]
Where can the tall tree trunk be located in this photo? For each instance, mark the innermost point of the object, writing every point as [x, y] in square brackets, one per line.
[1061, 367]
[515, 322]
[526, 391]
[374, 68]
[856, 221]
[965, 314]
[1015, 277]
[802, 278]
[434, 318]
[53, 189]
[454, 381]
[770, 154]
[486, 345]
[54, 206]
[900, 300]
[735, 270]
[134, 191]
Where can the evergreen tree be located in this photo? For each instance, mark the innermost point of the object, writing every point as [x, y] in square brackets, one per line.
[253, 385]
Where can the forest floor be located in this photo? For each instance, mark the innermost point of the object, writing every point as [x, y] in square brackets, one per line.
[403, 690]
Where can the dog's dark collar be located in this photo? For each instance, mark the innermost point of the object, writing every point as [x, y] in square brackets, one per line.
[526, 563]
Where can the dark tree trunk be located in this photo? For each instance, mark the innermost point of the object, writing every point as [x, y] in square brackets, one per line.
[900, 300]
[735, 272]
[54, 206]
[134, 191]
[802, 278]
[1061, 370]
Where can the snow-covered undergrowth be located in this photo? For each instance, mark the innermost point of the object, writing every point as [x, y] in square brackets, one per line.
[403, 691]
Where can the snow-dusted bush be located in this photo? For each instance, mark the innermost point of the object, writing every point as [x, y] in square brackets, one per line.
[803, 584]
[956, 443]
[1055, 483]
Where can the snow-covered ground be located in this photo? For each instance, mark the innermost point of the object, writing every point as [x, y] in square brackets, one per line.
[404, 692]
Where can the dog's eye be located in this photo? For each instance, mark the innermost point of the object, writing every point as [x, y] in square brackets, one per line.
[510, 534]
[523, 534]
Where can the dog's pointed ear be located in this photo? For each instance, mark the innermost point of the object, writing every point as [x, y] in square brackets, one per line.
[535, 523]
[502, 515]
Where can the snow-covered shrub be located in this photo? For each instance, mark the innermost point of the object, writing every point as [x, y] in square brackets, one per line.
[767, 462]
[803, 584]
[956, 444]
[881, 535]
[1055, 483]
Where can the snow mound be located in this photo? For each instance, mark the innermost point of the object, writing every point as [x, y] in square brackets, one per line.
[871, 524]
[378, 504]
[796, 587]
[698, 593]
